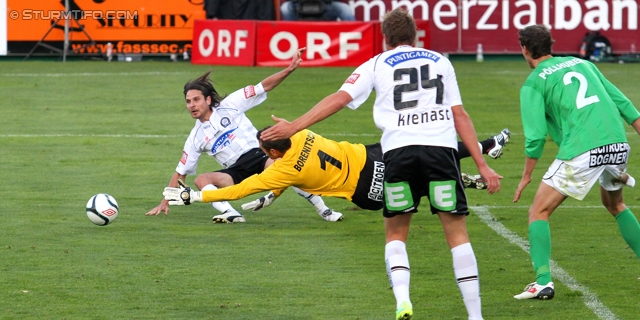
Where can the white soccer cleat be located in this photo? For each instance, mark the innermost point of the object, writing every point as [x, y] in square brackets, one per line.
[535, 291]
[331, 216]
[506, 133]
[228, 216]
[473, 181]
[499, 141]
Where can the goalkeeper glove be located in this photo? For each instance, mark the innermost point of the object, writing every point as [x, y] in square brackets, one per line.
[181, 196]
[260, 203]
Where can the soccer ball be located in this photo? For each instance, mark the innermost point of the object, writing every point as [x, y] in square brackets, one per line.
[102, 209]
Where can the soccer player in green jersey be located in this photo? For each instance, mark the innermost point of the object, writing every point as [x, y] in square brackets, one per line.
[570, 100]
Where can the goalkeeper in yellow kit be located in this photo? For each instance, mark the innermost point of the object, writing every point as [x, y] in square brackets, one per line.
[316, 165]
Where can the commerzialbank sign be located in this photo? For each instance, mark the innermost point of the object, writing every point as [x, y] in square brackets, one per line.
[460, 25]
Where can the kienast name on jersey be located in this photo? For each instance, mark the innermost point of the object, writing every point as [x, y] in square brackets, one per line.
[425, 117]
[411, 55]
[306, 150]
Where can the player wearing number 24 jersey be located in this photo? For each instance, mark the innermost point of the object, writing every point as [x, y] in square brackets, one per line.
[419, 110]
[570, 100]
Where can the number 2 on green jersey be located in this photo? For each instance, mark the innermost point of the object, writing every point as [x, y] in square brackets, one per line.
[581, 99]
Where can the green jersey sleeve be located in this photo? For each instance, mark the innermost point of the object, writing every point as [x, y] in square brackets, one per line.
[627, 110]
[533, 121]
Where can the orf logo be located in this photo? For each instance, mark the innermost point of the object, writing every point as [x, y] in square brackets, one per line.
[109, 212]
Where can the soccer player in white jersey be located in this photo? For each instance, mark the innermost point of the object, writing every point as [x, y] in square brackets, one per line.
[419, 110]
[223, 131]
[570, 100]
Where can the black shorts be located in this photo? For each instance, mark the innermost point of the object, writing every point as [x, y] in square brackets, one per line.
[368, 194]
[250, 163]
[416, 171]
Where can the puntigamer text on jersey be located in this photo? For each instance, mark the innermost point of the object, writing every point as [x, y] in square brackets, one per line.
[411, 55]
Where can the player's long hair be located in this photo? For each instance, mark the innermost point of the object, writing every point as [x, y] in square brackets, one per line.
[281, 145]
[205, 85]
[399, 28]
[537, 39]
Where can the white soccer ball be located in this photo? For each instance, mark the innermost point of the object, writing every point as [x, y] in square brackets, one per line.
[102, 209]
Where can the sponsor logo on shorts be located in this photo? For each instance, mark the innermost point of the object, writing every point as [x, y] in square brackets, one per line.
[352, 78]
[376, 188]
[249, 91]
[615, 153]
[183, 160]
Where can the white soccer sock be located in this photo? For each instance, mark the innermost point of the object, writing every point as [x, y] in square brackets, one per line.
[316, 201]
[397, 260]
[465, 269]
[221, 206]
[480, 145]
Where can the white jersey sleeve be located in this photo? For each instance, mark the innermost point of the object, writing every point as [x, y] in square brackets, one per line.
[359, 84]
[190, 153]
[452, 93]
[246, 98]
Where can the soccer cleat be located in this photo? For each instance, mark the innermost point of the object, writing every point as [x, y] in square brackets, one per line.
[536, 291]
[474, 181]
[332, 216]
[499, 141]
[506, 133]
[228, 216]
[405, 312]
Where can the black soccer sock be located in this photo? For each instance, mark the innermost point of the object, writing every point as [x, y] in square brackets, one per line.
[487, 145]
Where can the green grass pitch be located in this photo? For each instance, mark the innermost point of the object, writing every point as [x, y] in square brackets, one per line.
[68, 131]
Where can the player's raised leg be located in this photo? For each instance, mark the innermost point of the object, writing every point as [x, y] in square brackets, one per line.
[325, 212]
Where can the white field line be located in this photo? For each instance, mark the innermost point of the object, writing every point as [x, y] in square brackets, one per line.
[150, 135]
[91, 74]
[590, 298]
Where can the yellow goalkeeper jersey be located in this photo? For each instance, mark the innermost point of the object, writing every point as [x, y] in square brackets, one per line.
[314, 164]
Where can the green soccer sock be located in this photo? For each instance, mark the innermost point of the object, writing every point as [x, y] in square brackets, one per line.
[630, 229]
[540, 249]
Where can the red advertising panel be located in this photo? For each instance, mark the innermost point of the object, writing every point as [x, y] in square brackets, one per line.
[247, 43]
[224, 42]
[327, 43]
[460, 25]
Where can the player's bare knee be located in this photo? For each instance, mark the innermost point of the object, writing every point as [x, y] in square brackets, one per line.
[201, 181]
[615, 208]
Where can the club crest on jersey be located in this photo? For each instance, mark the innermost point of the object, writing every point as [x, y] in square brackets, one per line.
[411, 55]
[225, 122]
[249, 91]
[183, 160]
[352, 78]
[223, 140]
